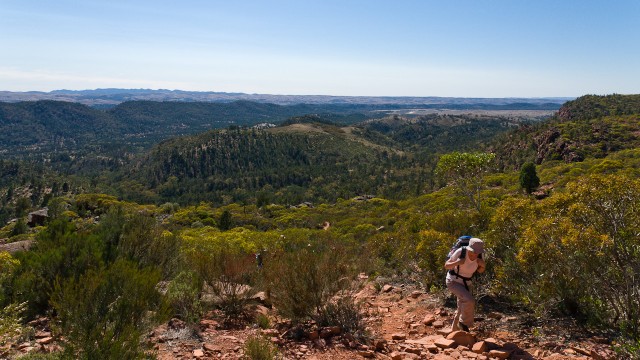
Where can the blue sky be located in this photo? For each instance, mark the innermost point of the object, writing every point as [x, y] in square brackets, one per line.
[465, 48]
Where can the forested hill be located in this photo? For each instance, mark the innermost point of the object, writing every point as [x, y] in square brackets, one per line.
[588, 127]
[45, 126]
[310, 158]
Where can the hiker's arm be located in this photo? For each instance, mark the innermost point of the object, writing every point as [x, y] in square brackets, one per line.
[451, 264]
[481, 265]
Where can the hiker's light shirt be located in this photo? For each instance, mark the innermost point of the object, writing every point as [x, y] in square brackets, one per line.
[465, 270]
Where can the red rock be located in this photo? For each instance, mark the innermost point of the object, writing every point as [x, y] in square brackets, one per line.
[438, 324]
[428, 319]
[380, 344]
[403, 356]
[335, 330]
[367, 354]
[212, 348]
[416, 294]
[500, 354]
[442, 357]
[198, 353]
[413, 350]
[387, 288]
[581, 350]
[480, 347]
[444, 343]
[399, 336]
[462, 338]
[469, 355]
[431, 348]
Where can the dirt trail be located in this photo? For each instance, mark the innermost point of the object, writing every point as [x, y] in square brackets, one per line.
[404, 323]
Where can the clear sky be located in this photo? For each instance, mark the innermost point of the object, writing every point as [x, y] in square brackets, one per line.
[465, 48]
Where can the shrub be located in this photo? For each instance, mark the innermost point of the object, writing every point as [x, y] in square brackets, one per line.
[346, 313]
[259, 348]
[60, 251]
[104, 313]
[229, 274]
[303, 280]
[183, 295]
[11, 322]
[144, 242]
[263, 321]
[7, 266]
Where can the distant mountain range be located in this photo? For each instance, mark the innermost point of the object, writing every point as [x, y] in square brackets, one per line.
[112, 97]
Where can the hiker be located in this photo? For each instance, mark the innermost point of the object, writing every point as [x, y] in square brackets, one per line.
[260, 258]
[462, 264]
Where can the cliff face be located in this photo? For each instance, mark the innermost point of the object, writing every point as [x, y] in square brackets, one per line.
[550, 145]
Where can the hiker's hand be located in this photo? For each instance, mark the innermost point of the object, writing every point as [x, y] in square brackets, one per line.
[481, 265]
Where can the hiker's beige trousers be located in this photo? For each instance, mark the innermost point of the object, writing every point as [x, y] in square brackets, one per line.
[466, 302]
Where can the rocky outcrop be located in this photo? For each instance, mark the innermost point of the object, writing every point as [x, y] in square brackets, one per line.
[550, 145]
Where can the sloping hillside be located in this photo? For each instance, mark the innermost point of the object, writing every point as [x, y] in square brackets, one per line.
[588, 127]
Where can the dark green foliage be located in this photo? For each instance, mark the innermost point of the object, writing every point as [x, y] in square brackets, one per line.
[226, 221]
[143, 242]
[593, 107]
[104, 312]
[60, 252]
[22, 206]
[19, 228]
[529, 179]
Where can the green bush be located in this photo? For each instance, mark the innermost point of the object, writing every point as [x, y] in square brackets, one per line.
[7, 267]
[104, 313]
[263, 321]
[59, 252]
[303, 280]
[11, 322]
[228, 272]
[183, 295]
[259, 348]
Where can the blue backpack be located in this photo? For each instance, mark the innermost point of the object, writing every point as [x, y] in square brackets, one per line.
[462, 242]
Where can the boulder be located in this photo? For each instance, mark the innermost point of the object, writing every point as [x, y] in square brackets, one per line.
[367, 353]
[429, 319]
[500, 354]
[445, 343]
[480, 347]
[462, 338]
[198, 353]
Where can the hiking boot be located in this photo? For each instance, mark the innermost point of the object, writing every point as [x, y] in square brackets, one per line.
[464, 327]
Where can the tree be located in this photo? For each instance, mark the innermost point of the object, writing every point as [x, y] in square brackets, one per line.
[464, 171]
[22, 206]
[226, 221]
[529, 179]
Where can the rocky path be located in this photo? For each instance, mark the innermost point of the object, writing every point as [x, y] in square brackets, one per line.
[404, 323]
